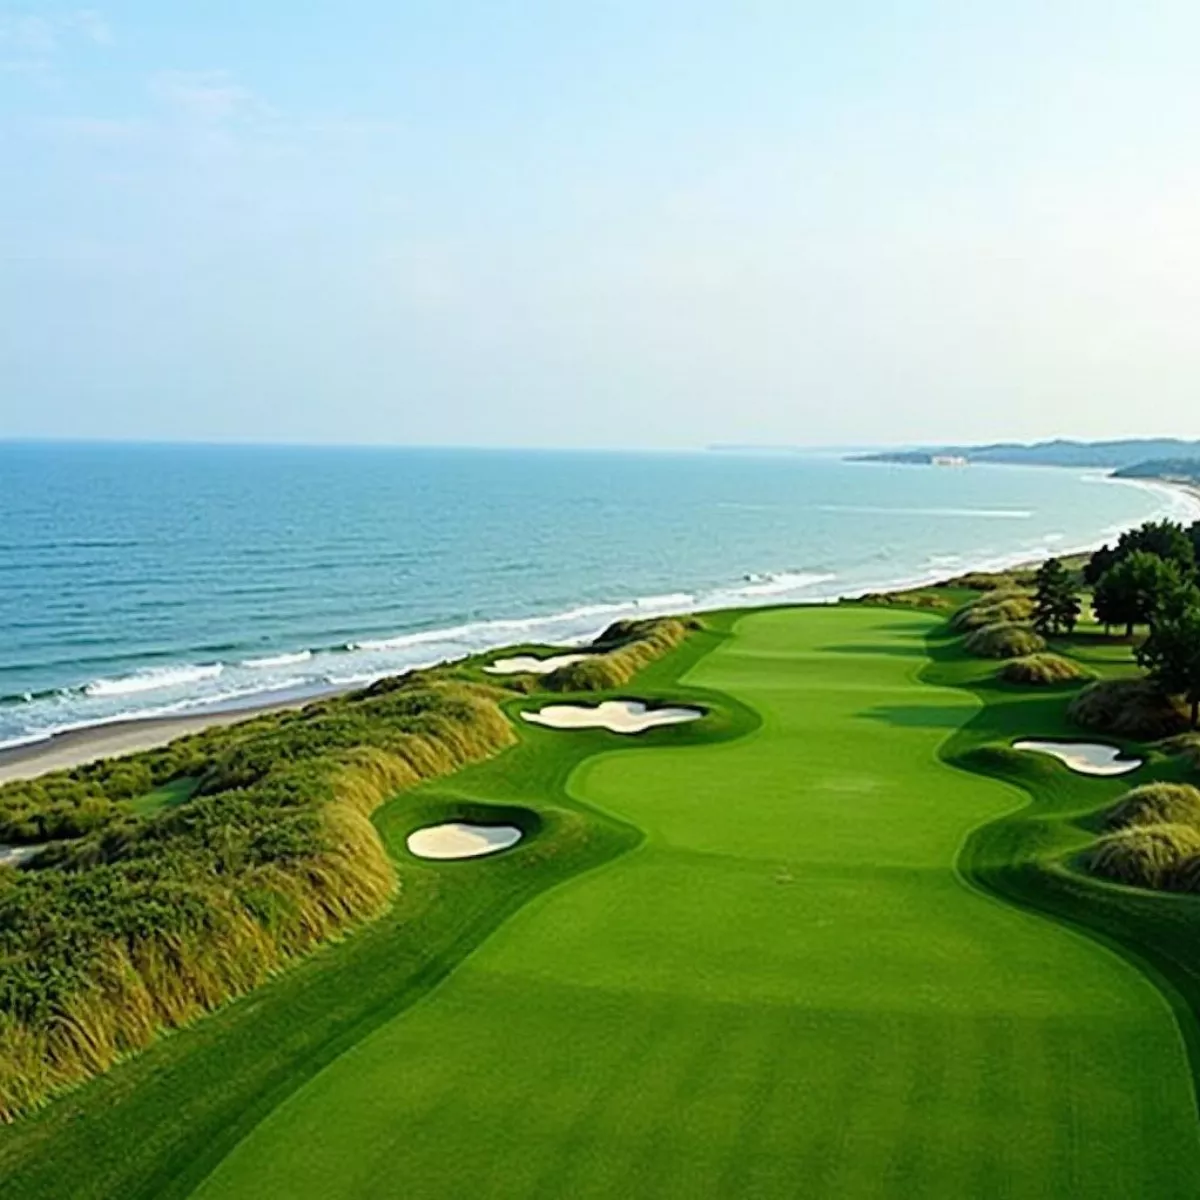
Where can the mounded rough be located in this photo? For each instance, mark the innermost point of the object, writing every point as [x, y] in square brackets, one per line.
[1128, 708]
[1043, 670]
[1150, 856]
[1185, 746]
[1156, 804]
[1004, 639]
[619, 653]
[993, 608]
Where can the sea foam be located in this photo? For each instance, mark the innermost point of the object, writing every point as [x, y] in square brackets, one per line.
[152, 680]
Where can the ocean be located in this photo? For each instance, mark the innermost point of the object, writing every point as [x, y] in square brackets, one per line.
[141, 580]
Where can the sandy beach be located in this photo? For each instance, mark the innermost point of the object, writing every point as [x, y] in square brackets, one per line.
[78, 746]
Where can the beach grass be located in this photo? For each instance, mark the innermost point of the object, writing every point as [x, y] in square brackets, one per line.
[825, 942]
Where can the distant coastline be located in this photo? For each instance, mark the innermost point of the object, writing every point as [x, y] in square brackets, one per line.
[1134, 457]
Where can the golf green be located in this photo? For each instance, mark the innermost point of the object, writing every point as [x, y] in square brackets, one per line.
[784, 990]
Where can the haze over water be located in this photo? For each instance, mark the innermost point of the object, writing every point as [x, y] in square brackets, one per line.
[139, 580]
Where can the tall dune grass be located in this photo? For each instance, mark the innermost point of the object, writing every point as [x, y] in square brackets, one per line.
[1162, 856]
[136, 923]
[621, 651]
[1043, 670]
[1156, 804]
[1003, 639]
[1004, 604]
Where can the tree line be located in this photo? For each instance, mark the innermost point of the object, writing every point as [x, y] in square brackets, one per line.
[1149, 578]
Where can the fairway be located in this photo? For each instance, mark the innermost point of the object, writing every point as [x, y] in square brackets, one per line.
[784, 990]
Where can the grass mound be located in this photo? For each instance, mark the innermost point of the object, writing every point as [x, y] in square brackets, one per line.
[1149, 856]
[1042, 670]
[1130, 708]
[621, 651]
[991, 608]
[1156, 804]
[136, 921]
[1004, 639]
[1185, 746]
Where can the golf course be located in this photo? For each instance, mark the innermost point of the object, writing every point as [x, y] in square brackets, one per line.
[818, 942]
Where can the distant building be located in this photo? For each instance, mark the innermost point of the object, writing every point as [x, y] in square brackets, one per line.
[949, 460]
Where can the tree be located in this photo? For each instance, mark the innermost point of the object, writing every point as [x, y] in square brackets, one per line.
[1168, 539]
[1096, 567]
[1176, 600]
[1193, 532]
[1171, 654]
[1056, 607]
[1130, 593]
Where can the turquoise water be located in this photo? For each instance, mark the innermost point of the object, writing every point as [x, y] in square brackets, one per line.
[138, 580]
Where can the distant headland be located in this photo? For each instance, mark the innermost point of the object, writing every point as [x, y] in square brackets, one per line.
[1132, 458]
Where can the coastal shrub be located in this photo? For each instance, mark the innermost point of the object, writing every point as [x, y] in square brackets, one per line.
[620, 652]
[1004, 640]
[54, 806]
[1042, 670]
[1150, 856]
[1156, 804]
[1128, 708]
[133, 922]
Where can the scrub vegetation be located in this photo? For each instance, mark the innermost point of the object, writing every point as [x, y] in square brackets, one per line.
[134, 922]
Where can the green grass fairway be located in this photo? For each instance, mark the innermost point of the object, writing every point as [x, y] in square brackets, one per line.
[784, 990]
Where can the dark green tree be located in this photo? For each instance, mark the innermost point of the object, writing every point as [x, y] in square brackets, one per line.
[1056, 607]
[1171, 654]
[1130, 593]
[1193, 533]
[1168, 539]
[1101, 562]
[1176, 600]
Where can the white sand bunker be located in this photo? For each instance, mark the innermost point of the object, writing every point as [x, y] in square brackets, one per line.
[457, 839]
[527, 664]
[617, 716]
[1088, 758]
[13, 856]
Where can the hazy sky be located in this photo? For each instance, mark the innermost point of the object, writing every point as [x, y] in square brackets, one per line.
[613, 223]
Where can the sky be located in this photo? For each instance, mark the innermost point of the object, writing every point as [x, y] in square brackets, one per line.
[629, 223]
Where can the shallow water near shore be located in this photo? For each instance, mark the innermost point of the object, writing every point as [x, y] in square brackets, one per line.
[144, 580]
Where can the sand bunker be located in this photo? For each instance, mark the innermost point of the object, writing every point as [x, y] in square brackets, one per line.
[457, 839]
[617, 716]
[1088, 758]
[13, 856]
[527, 664]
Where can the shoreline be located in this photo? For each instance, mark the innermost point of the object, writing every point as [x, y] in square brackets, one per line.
[115, 739]
[65, 749]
